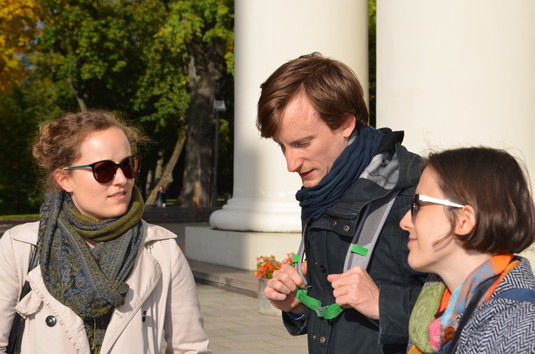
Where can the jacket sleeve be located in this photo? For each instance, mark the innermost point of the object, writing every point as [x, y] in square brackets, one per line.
[395, 306]
[184, 327]
[294, 327]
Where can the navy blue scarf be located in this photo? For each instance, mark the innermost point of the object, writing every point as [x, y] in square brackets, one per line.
[347, 168]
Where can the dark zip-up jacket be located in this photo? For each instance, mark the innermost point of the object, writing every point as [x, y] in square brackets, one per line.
[326, 243]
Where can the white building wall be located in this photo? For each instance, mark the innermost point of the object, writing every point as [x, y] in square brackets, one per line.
[458, 73]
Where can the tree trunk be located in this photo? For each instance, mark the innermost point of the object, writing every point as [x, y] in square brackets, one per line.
[79, 99]
[167, 176]
[198, 170]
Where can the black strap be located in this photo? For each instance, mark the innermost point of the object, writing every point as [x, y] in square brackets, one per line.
[481, 289]
[17, 328]
[517, 294]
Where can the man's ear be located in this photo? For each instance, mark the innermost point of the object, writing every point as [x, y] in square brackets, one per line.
[466, 220]
[349, 125]
[63, 179]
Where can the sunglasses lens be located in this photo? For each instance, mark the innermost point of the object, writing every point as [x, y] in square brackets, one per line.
[130, 166]
[104, 171]
[415, 207]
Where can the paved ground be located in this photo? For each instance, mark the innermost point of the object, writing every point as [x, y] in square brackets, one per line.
[234, 325]
[231, 314]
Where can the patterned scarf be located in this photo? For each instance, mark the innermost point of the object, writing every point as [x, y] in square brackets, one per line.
[344, 172]
[434, 318]
[90, 281]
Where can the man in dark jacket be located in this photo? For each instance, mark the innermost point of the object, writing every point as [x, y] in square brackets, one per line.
[314, 108]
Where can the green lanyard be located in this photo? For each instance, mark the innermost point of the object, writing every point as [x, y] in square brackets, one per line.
[327, 312]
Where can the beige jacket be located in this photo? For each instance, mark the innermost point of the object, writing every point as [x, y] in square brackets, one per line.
[162, 302]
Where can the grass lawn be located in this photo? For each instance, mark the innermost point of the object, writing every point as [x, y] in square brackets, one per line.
[19, 217]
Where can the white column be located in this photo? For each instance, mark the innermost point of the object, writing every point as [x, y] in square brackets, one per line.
[263, 217]
[268, 33]
[458, 73]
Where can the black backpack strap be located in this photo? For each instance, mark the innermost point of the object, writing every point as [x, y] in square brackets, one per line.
[517, 294]
[17, 328]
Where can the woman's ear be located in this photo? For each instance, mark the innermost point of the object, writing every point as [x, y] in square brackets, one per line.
[466, 220]
[63, 179]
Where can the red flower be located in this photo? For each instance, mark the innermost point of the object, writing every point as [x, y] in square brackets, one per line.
[265, 266]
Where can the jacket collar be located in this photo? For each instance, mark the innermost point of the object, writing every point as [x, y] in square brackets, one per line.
[365, 190]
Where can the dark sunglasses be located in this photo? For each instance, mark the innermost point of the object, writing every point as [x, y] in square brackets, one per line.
[415, 206]
[104, 171]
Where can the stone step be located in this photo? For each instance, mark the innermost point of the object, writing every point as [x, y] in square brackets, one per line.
[228, 278]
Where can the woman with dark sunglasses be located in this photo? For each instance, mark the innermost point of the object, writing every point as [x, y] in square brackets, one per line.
[473, 212]
[106, 281]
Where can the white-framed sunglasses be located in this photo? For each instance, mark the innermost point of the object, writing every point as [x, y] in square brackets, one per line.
[415, 206]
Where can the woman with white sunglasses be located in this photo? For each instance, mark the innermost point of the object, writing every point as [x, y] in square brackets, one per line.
[472, 213]
[99, 278]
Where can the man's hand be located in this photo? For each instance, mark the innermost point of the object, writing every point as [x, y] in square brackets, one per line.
[281, 289]
[356, 289]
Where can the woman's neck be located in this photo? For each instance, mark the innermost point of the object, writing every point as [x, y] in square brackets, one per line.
[461, 266]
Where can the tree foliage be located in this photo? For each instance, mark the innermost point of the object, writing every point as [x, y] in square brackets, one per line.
[18, 30]
[85, 43]
[159, 63]
[22, 108]
[204, 30]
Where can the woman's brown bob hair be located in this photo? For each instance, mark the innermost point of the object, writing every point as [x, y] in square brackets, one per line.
[494, 184]
[331, 86]
[58, 142]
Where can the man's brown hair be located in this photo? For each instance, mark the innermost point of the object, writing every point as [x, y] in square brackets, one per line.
[331, 86]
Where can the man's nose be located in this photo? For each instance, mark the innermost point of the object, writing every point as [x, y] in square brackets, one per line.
[293, 161]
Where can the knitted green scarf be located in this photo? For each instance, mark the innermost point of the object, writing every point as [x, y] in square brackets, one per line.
[90, 281]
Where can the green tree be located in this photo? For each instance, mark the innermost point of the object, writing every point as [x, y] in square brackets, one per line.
[200, 35]
[85, 44]
[18, 30]
[21, 109]
[157, 62]
[161, 99]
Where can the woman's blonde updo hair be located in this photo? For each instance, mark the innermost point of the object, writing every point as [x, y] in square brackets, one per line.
[58, 142]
